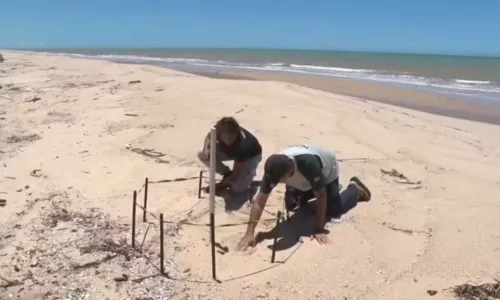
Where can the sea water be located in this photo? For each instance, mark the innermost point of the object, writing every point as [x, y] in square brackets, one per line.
[471, 77]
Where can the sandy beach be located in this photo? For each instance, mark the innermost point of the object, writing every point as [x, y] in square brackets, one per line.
[73, 134]
[428, 102]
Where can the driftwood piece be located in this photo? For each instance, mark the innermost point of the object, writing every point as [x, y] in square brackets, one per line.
[95, 263]
[402, 178]
[34, 99]
[151, 153]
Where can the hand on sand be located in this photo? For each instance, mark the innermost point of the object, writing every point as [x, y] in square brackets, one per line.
[245, 242]
[320, 236]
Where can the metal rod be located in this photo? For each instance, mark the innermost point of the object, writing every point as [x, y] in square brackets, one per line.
[212, 239]
[213, 141]
[133, 218]
[276, 232]
[146, 182]
[199, 184]
[213, 145]
[162, 265]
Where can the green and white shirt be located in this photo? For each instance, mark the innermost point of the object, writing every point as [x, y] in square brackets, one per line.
[314, 168]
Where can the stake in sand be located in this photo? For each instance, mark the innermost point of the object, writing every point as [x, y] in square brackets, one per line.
[276, 232]
[146, 183]
[134, 205]
[162, 264]
[213, 140]
[199, 184]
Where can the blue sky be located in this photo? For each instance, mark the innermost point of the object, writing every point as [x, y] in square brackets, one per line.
[438, 26]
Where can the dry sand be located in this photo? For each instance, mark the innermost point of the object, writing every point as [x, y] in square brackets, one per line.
[67, 172]
[429, 102]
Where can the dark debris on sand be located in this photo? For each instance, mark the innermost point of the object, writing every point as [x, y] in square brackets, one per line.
[486, 291]
[80, 254]
[400, 176]
[28, 138]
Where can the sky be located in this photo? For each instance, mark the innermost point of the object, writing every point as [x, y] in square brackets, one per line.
[424, 26]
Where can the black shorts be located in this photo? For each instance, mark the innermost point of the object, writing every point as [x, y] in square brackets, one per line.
[295, 198]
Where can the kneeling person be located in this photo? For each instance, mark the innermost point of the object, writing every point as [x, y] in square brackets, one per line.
[233, 143]
[304, 169]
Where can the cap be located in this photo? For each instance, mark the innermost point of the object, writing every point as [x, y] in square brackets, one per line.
[276, 167]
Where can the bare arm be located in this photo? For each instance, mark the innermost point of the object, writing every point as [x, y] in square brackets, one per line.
[257, 207]
[320, 209]
[235, 173]
[206, 144]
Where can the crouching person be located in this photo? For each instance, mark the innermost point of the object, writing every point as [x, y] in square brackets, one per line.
[234, 143]
[308, 172]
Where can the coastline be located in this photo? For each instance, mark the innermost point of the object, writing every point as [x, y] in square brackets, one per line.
[78, 136]
[473, 79]
[429, 102]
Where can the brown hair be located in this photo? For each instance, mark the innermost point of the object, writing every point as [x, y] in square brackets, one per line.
[228, 125]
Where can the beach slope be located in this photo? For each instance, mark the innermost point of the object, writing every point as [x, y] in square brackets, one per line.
[73, 139]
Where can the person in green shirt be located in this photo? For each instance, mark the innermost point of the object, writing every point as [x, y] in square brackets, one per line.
[305, 169]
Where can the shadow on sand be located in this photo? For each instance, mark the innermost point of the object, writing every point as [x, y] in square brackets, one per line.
[234, 201]
[301, 223]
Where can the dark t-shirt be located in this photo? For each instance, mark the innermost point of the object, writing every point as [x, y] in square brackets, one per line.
[245, 147]
[310, 166]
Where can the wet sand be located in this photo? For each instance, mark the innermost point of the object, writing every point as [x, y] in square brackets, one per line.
[428, 102]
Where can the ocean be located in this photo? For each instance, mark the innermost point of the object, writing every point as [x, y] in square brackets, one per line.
[470, 77]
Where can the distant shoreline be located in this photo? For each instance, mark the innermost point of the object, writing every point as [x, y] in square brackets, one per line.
[428, 102]
[434, 102]
[469, 77]
[78, 135]
[479, 55]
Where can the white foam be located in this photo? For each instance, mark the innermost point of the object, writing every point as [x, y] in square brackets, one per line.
[471, 81]
[458, 86]
[365, 75]
[335, 69]
[147, 58]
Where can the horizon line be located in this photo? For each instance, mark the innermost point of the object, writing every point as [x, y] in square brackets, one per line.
[482, 55]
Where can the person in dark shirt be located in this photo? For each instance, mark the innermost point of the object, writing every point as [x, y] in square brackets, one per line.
[234, 143]
[308, 172]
